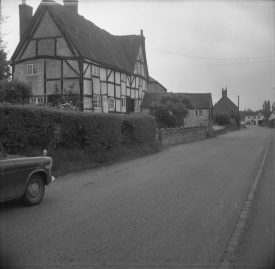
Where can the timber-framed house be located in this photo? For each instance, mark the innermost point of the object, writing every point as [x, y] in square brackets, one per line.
[60, 52]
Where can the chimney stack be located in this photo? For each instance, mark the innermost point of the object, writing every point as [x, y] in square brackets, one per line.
[71, 4]
[25, 16]
[224, 92]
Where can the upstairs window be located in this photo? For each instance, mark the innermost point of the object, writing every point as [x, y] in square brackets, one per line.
[32, 69]
[96, 71]
[123, 77]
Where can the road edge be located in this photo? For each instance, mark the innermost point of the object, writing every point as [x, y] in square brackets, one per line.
[234, 240]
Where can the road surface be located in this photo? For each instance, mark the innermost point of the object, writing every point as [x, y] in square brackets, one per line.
[175, 209]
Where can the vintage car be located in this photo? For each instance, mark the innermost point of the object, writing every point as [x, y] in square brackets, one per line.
[24, 177]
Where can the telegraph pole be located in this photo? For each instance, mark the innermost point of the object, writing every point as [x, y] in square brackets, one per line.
[238, 120]
[273, 44]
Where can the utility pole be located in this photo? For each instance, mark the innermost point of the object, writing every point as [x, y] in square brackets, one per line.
[273, 43]
[238, 120]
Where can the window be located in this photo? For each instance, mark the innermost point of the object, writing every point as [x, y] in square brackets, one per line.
[97, 101]
[32, 69]
[123, 77]
[96, 71]
[140, 82]
[37, 100]
[198, 112]
[123, 102]
[111, 104]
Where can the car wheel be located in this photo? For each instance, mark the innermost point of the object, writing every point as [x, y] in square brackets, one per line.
[35, 191]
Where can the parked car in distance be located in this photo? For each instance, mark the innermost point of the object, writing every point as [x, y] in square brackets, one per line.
[24, 177]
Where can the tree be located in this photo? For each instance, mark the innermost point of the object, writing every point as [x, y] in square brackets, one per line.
[222, 119]
[266, 109]
[171, 110]
[5, 69]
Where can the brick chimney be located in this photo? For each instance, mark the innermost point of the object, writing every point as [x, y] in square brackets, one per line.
[25, 16]
[224, 92]
[71, 4]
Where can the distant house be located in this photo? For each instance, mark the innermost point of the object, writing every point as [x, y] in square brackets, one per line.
[155, 86]
[61, 52]
[202, 107]
[202, 112]
[272, 115]
[253, 118]
[225, 106]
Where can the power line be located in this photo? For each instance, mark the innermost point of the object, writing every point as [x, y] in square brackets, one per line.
[250, 58]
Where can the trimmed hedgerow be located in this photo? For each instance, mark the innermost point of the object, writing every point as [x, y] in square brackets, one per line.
[74, 139]
[28, 126]
[138, 129]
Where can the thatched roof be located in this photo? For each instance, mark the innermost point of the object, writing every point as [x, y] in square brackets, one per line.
[89, 41]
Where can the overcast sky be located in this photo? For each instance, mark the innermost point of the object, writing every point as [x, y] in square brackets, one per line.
[191, 46]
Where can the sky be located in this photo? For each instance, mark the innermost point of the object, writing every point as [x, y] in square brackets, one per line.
[191, 45]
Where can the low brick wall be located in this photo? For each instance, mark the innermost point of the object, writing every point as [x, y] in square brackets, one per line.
[171, 136]
[219, 132]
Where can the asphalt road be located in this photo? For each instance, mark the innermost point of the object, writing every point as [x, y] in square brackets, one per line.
[257, 245]
[175, 209]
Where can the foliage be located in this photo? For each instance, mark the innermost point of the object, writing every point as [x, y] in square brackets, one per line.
[266, 109]
[73, 138]
[222, 119]
[138, 129]
[67, 101]
[171, 110]
[15, 92]
[5, 69]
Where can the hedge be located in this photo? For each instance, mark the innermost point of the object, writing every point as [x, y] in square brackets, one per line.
[73, 137]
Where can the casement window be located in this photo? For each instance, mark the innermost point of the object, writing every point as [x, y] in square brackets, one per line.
[97, 101]
[32, 69]
[96, 71]
[198, 112]
[111, 104]
[37, 100]
[123, 102]
[123, 77]
[140, 83]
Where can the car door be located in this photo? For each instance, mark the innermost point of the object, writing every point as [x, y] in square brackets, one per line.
[8, 179]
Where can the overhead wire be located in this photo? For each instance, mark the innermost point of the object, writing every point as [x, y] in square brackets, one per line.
[248, 58]
[215, 61]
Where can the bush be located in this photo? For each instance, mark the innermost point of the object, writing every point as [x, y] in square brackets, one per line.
[73, 138]
[222, 119]
[138, 129]
[171, 110]
[15, 92]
